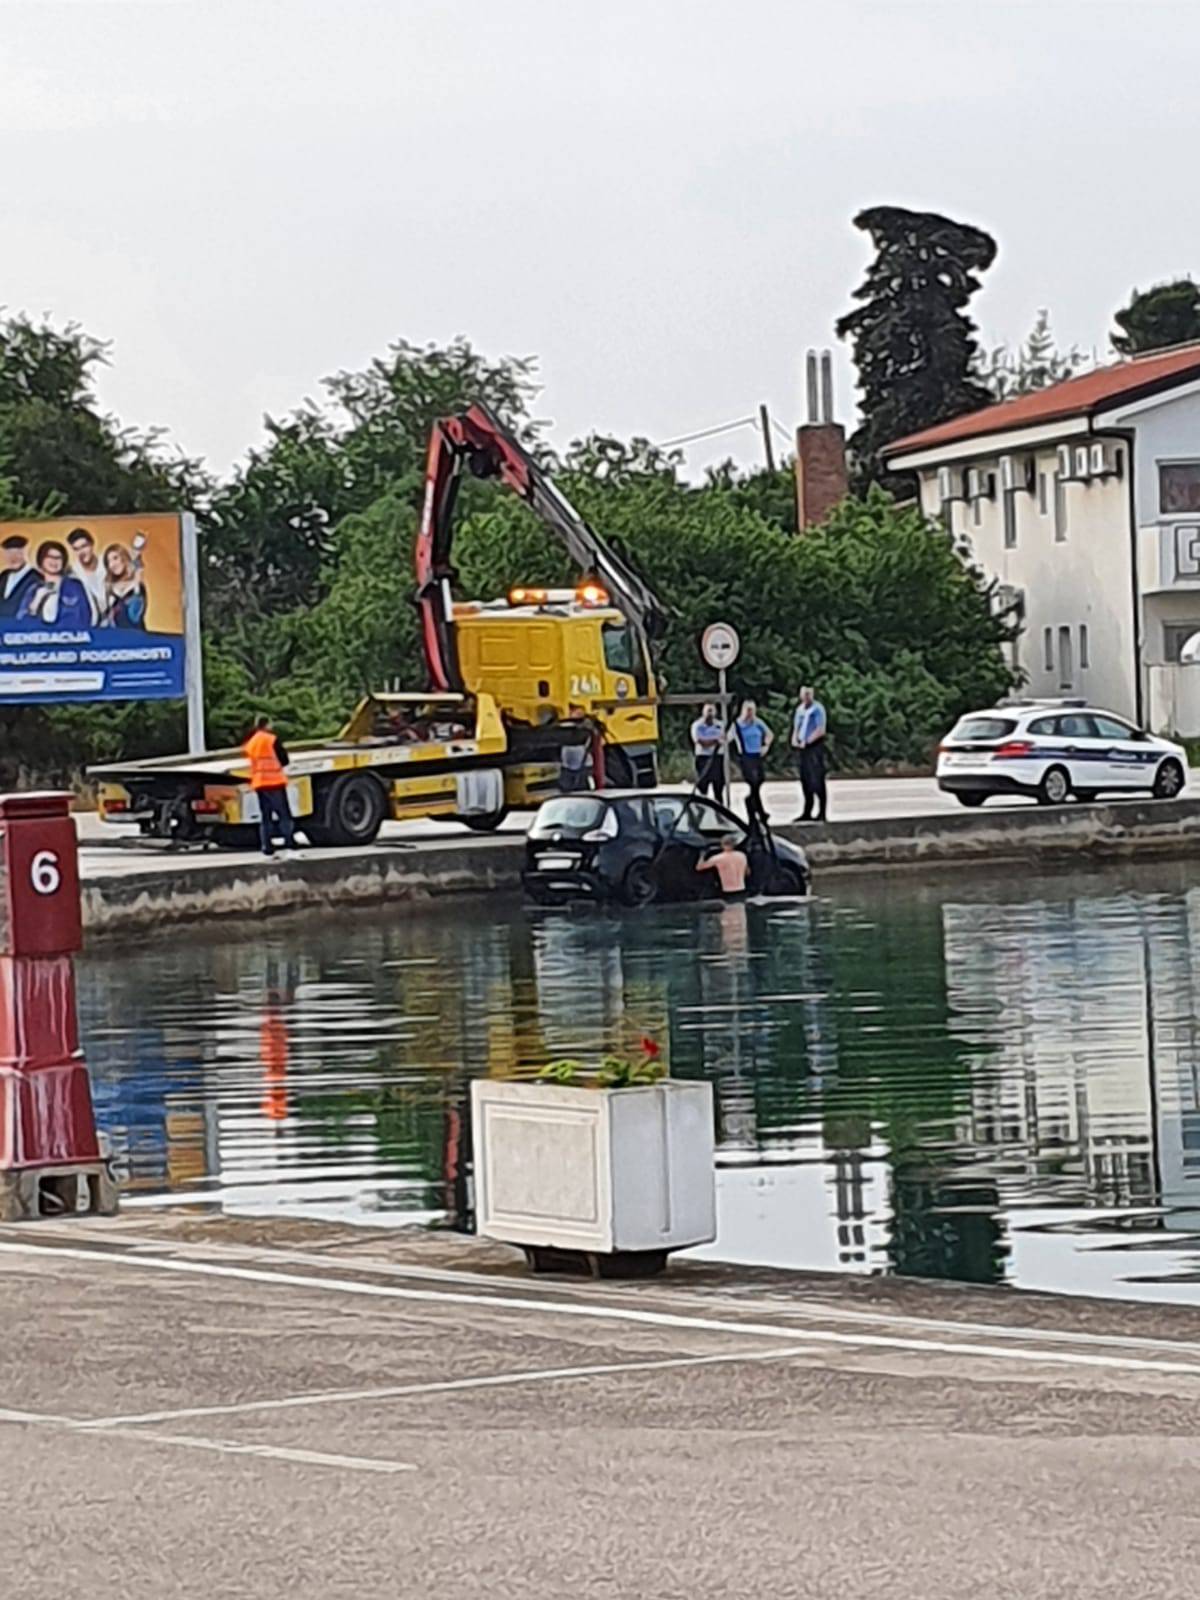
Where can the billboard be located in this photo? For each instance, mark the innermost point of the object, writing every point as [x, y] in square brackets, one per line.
[93, 608]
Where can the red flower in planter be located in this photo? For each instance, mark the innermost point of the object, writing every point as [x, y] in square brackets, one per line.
[651, 1048]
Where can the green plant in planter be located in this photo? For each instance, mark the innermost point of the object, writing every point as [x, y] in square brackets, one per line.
[614, 1072]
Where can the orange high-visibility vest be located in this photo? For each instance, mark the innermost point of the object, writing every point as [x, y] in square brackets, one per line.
[266, 772]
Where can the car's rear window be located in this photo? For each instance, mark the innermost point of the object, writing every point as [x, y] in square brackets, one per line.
[574, 813]
[974, 729]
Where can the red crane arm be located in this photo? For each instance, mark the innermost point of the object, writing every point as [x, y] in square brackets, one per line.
[478, 441]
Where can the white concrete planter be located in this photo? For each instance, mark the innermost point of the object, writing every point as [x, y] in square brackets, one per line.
[600, 1173]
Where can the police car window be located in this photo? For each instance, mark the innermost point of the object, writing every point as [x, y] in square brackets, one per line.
[1043, 726]
[984, 728]
[706, 819]
[1110, 728]
[1077, 728]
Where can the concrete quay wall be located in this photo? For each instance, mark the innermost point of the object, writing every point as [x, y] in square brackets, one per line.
[213, 889]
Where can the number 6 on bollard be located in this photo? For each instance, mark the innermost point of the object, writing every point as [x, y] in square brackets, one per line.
[50, 1158]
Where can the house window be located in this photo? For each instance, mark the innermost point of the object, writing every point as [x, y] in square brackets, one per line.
[1083, 646]
[1048, 648]
[1066, 671]
[1175, 636]
[1178, 486]
[1010, 520]
[977, 513]
[1043, 493]
[948, 516]
[1060, 509]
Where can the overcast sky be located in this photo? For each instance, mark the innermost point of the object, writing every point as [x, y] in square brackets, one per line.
[654, 197]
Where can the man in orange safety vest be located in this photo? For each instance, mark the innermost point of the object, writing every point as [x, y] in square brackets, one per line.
[268, 779]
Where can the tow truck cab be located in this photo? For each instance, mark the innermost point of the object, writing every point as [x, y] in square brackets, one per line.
[546, 655]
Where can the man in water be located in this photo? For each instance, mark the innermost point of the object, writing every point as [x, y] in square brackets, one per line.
[731, 866]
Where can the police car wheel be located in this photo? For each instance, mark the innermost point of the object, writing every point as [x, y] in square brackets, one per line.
[1055, 787]
[1168, 780]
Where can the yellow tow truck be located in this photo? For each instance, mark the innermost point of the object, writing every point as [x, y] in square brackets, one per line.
[523, 689]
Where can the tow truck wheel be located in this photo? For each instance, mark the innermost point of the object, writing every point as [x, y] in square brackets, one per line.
[241, 836]
[354, 810]
[487, 823]
[618, 769]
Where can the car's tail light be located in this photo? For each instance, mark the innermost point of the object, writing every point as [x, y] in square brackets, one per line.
[206, 808]
[112, 806]
[1014, 748]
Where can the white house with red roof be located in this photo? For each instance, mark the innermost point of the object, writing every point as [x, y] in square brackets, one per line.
[1082, 501]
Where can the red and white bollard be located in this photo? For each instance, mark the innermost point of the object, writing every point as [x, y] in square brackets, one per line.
[50, 1157]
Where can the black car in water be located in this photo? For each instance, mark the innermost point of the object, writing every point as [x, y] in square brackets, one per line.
[635, 846]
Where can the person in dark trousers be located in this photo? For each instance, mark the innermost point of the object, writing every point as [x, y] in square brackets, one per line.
[268, 778]
[808, 742]
[753, 740]
[708, 743]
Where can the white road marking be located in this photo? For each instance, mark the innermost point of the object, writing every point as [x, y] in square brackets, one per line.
[306, 1458]
[498, 1380]
[225, 1447]
[809, 1310]
[609, 1313]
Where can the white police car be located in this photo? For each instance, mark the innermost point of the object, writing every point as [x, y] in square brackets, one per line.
[1053, 749]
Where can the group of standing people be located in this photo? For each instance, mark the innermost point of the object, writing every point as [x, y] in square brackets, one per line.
[70, 587]
[750, 740]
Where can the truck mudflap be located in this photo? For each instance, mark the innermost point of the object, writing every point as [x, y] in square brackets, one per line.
[480, 793]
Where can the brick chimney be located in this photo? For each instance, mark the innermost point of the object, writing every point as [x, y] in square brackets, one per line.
[821, 479]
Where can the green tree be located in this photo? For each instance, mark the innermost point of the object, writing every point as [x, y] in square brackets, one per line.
[913, 344]
[269, 531]
[58, 451]
[1035, 364]
[1167, 314]
[874, 605]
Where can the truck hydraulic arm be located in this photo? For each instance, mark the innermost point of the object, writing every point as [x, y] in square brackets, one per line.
[477, 441]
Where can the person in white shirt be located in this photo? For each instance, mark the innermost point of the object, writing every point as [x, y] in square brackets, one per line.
[17, 577]
[708, 741]
[85, 564]
[809, 724]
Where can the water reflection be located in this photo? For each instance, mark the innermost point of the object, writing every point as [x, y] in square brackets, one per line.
[986, 1082]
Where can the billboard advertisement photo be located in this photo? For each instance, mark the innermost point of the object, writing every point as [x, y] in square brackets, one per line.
[93, 608]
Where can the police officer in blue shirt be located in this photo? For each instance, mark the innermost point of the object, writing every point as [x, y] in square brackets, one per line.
[808, 741]
[753, 739]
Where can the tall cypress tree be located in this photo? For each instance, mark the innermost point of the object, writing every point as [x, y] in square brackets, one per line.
[1156, 318]
[914, 347]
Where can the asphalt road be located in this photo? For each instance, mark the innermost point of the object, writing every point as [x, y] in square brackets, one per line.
[850, 800]
[192, 1410]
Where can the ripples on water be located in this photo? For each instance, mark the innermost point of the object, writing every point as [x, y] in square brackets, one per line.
[982, 1081]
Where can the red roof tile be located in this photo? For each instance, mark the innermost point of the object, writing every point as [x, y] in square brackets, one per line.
[1081, 396]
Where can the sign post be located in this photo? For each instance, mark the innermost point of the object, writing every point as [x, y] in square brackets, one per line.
[50, 1156]
[720, 647]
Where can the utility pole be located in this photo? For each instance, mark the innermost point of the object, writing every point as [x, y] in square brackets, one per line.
[764, 422]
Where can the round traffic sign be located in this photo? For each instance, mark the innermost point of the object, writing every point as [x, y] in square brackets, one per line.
[720, 645]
